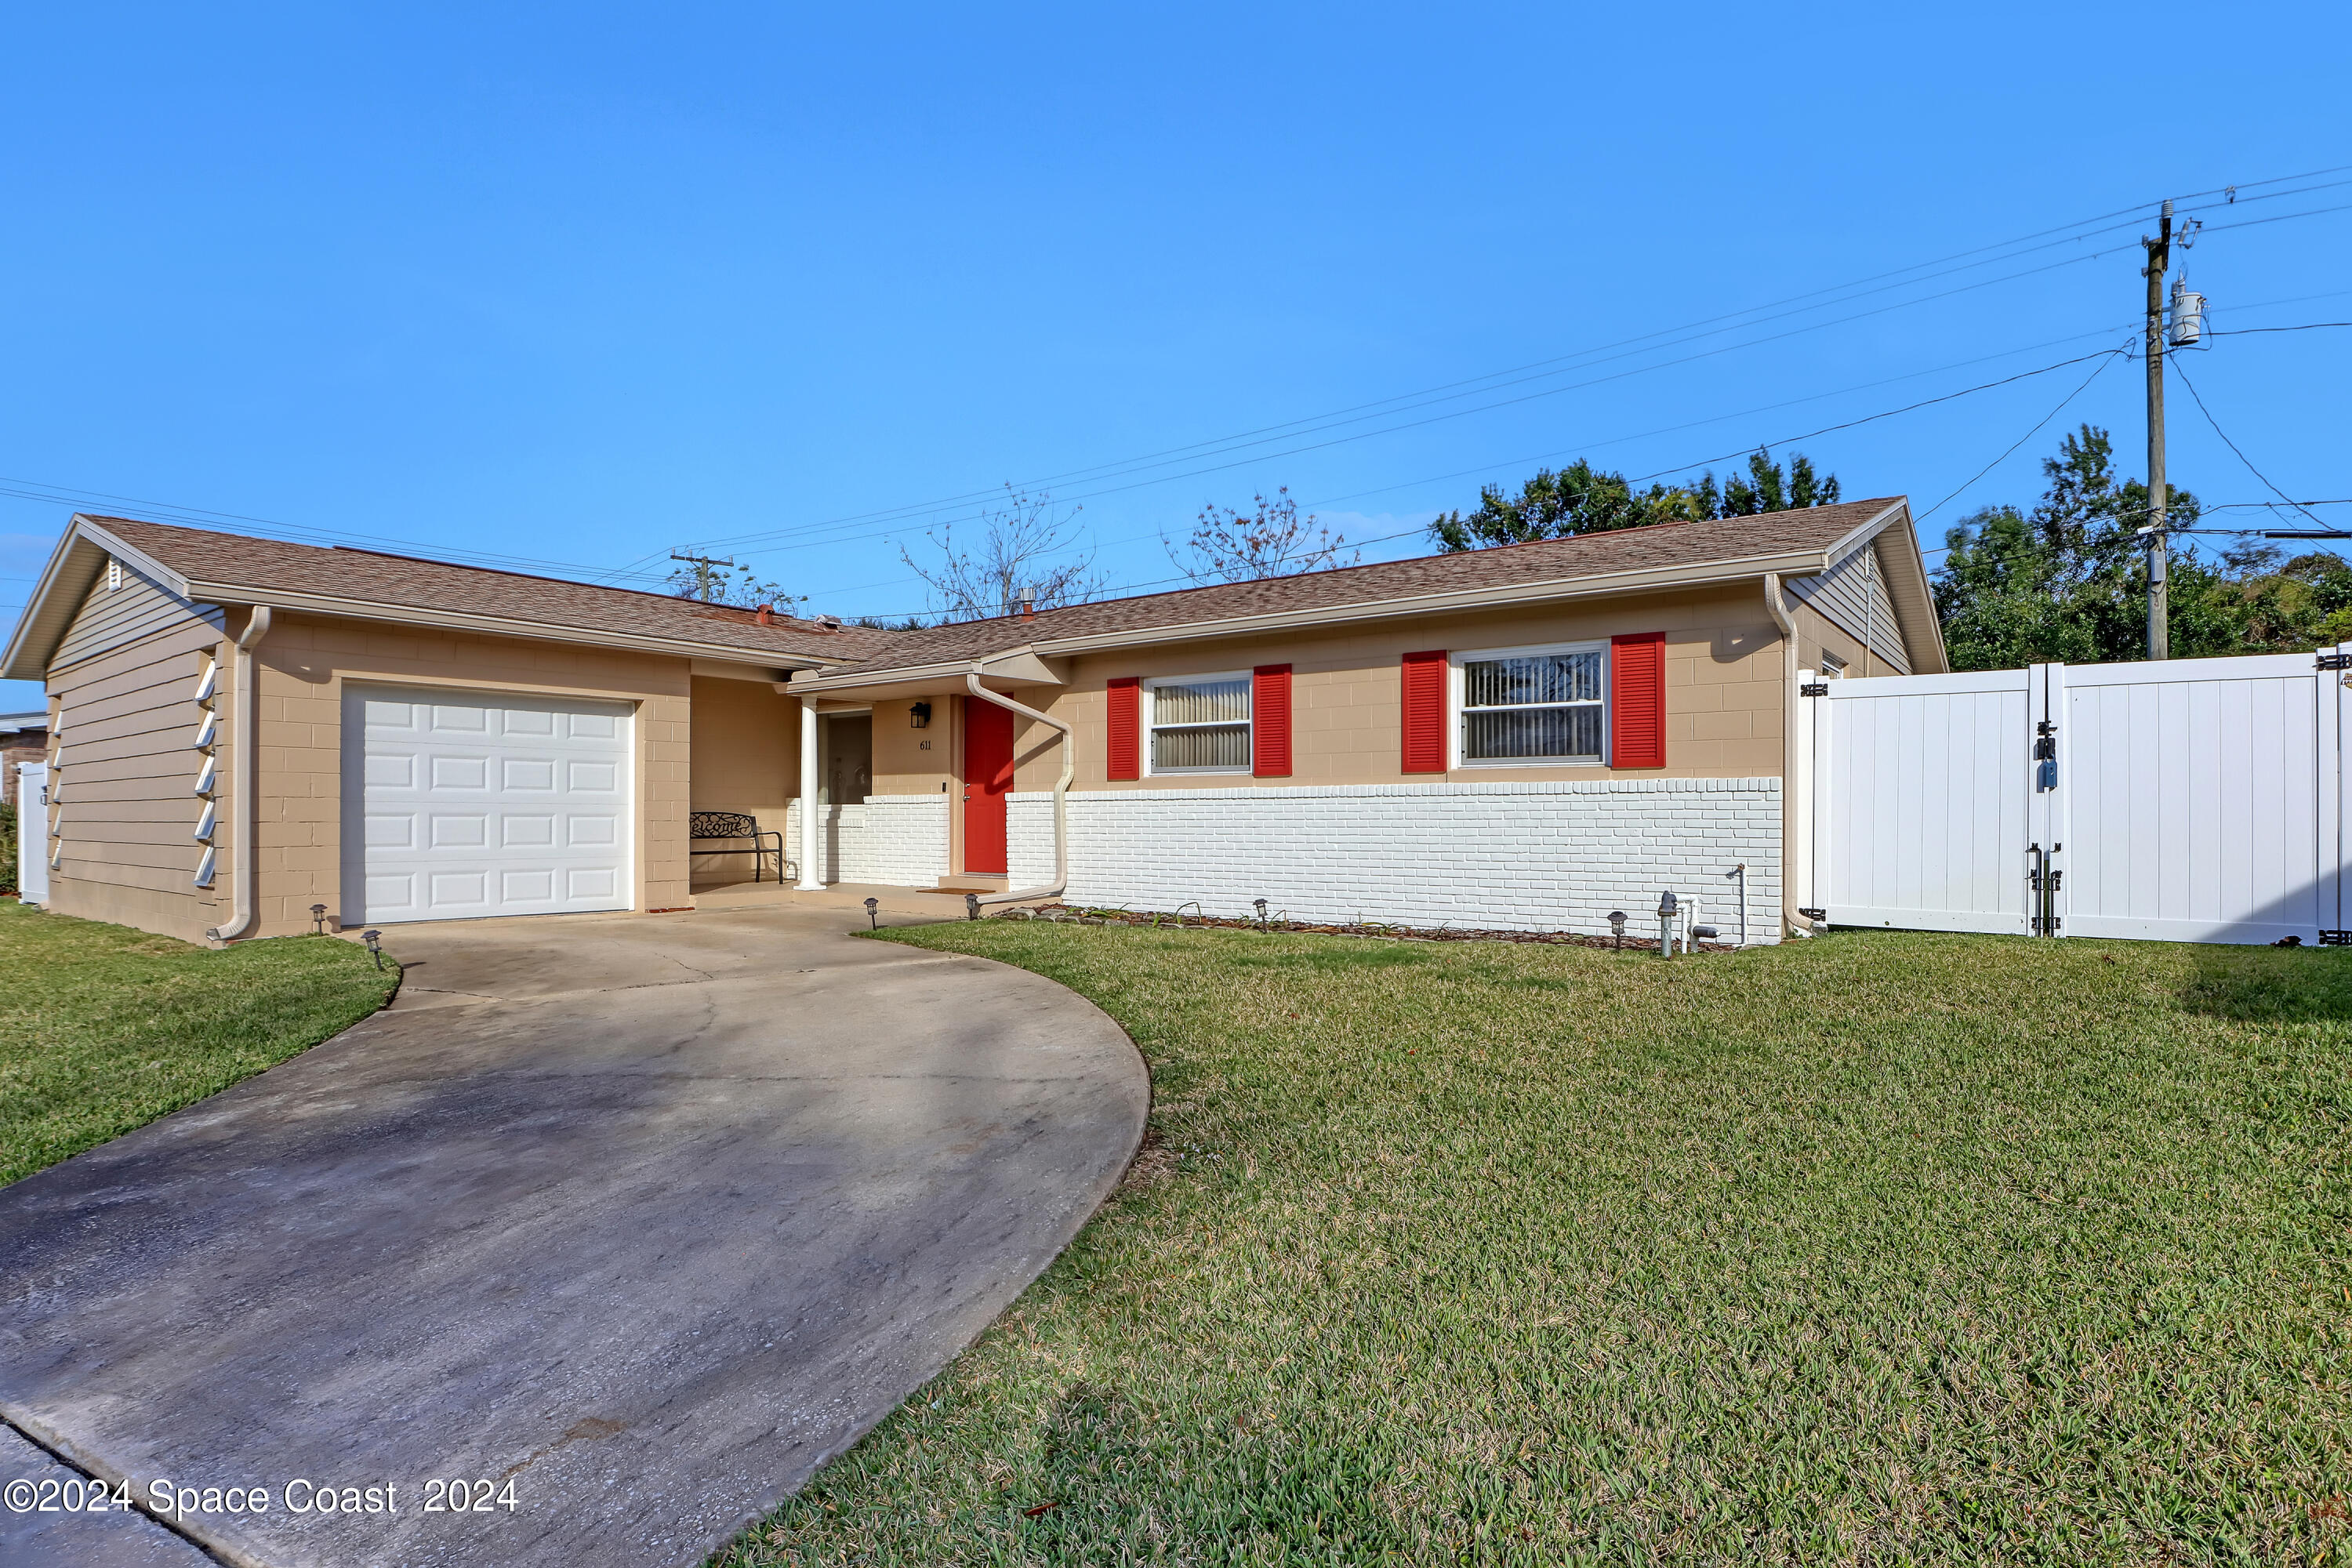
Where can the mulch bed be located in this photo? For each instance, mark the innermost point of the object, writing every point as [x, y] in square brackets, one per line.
[1376, 930]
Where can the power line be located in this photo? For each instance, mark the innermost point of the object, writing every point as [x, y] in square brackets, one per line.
[2103, 355]
[2104, 360]
[1446, 392]
[2233, 446]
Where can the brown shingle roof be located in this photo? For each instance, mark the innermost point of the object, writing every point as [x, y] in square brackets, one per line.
[1663, 547]
[269, 565]
[265, 564]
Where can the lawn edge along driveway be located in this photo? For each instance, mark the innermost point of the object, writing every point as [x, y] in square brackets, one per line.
[104, 1028]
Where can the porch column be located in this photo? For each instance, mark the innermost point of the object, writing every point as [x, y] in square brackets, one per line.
[812, 833]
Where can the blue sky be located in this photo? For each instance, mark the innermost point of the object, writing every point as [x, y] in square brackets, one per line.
[581, 285]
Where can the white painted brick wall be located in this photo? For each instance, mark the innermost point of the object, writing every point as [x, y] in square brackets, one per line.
[899, 840]
[1522, 856]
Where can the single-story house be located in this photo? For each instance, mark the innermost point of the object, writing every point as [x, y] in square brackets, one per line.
[24, 738]
[248, 734]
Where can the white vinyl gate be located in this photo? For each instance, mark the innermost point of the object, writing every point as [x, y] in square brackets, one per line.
[2184, 800]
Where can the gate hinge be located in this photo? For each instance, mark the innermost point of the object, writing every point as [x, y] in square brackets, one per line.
[2336, 661]
[1814, 689]
[2336, 939]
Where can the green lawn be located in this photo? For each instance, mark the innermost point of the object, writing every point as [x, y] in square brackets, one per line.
[103, 1028]
[1884, 1247]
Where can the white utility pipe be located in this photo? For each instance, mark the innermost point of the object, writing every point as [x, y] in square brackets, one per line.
[1061, 794]
[1790, 919]
[244, 811]
[812, 831]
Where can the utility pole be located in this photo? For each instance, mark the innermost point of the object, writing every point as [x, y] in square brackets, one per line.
[2159, 628]
[706, 567]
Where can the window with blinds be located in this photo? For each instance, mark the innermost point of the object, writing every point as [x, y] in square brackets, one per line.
[1534, 705]
[1200, 724]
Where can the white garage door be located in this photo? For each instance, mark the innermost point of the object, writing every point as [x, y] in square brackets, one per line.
[461, 805]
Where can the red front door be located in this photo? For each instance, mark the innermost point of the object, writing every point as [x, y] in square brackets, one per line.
[987, 778]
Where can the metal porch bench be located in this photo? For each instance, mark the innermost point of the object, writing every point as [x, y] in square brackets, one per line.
[715, 827]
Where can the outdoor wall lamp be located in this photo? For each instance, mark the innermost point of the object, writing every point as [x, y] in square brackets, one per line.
[919, 715]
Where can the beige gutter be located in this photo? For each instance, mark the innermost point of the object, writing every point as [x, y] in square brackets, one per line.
[1061, 795]
[1791, 920]
[244, 865]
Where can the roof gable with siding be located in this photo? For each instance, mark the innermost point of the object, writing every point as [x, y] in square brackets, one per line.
[119, 610]
[1852, 595]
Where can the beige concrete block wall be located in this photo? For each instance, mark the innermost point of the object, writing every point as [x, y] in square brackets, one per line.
[306, 662]
[746, 749]
[1817, 635]
[1722, 690]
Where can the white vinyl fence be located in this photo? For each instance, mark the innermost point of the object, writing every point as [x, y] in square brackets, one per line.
[33, 833]
[2183, 800]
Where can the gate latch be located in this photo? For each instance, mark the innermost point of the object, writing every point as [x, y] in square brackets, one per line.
[2336, 661]
[2336, 939]
[1814, 689]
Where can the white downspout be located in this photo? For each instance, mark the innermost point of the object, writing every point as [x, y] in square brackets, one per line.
[812, 833]
[1061, 795]
[1791, 920]
[245, 866]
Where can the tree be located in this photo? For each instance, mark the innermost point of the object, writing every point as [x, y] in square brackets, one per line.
[1581, 498]
[1014, 563]
[2068, 581]
[1765, 488]
[1271, 541]
[1578, 499]
[710, 584]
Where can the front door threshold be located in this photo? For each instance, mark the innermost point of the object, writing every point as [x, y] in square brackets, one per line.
[973, 883]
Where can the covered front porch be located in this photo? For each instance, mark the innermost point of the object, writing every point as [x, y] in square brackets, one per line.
[910, 780]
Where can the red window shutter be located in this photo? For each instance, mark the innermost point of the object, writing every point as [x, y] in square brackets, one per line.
[1637, 701]
[1270, 721]
[1124, 751]
[1424, 712]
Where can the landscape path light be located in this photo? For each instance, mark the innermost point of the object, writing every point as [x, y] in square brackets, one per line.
[1617, 926]
[873, 920]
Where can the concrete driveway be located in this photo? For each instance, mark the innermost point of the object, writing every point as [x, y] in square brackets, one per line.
[624, 1225]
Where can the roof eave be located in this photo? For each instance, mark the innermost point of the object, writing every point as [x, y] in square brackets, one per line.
[495, 626]
[49, 609]
[1739, 569]
[1731, 570]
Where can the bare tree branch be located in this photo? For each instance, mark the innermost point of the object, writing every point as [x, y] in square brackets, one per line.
[1015, 563]
[1273, 541]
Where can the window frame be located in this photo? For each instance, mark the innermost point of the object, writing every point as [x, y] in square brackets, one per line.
[1458, 726]
[1150, 725]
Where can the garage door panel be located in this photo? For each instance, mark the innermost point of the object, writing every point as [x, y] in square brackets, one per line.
[592, 778]
[459, 832]
[591, 884]
[503, 806]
